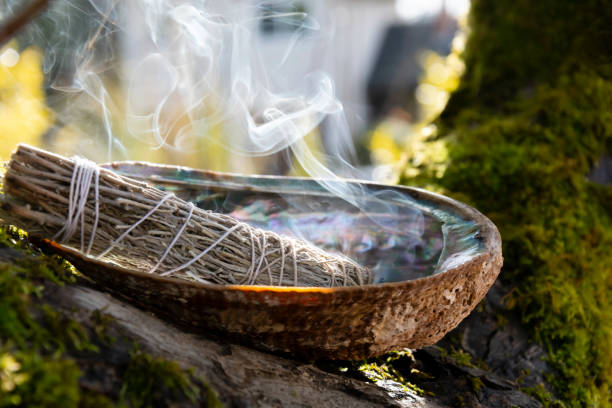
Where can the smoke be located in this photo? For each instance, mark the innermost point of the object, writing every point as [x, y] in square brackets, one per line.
[167, 74]
[156, 79]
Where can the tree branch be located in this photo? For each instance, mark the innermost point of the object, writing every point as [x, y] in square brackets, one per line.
[22, 18]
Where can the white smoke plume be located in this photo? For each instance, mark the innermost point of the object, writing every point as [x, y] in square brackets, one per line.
[166, 75]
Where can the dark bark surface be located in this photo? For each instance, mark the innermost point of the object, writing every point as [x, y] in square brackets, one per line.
[243, 377]
[528, 139]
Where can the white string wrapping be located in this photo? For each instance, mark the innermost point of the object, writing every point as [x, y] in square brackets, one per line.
[79, 191]
[80, 185]
[160, 233]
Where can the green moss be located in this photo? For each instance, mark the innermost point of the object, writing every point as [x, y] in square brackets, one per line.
[38, 344]
[94, 400]
[150, 381]
[530, 118]
[33, 336]
[540, 393]
[476, 383]
[396, 366]
[377, 371]
[101, 322]
[20, 282]
[46, 381]
[390, 367]
[461, 358]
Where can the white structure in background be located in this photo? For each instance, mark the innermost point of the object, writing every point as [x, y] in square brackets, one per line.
[347, 43]
[345, 47]
[339, 37]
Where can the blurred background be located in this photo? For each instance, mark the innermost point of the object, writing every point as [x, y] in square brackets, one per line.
[149, 80]
[353, 88]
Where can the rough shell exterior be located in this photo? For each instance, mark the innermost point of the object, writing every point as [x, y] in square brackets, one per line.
[317, 323]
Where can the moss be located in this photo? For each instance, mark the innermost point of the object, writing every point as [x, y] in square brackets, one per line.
[101, 323]
[48, 381]
[540, 393]
[21, 281]
[476, 383]
[94, 400]
[40, 347]
[380, 371]
[530, 118]
[396, 366]
[420, 375]
[391, 367]
[33, 336]
[501, 320]
[461, 358]
[149, 381]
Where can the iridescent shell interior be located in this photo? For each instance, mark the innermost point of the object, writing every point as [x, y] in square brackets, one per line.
[389, 229]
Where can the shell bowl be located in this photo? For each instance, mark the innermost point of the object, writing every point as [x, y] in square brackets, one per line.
[424, 289]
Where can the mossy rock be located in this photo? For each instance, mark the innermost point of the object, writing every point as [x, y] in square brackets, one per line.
[531, 117]
[47, 359]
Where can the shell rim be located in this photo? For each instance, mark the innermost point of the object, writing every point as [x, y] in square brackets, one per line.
[488, 234]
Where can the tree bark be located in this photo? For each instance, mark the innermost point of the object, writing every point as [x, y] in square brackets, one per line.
[528, 138]
[242, 377]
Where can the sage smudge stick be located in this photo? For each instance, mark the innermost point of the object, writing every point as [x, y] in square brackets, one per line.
[130, 223]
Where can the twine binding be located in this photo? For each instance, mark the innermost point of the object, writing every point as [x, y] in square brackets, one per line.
[138, 226]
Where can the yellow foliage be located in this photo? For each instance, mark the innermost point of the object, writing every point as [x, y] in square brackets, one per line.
[383, 146]
[440, 78]
[10, 377]
[24, 117]
[399, 145]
